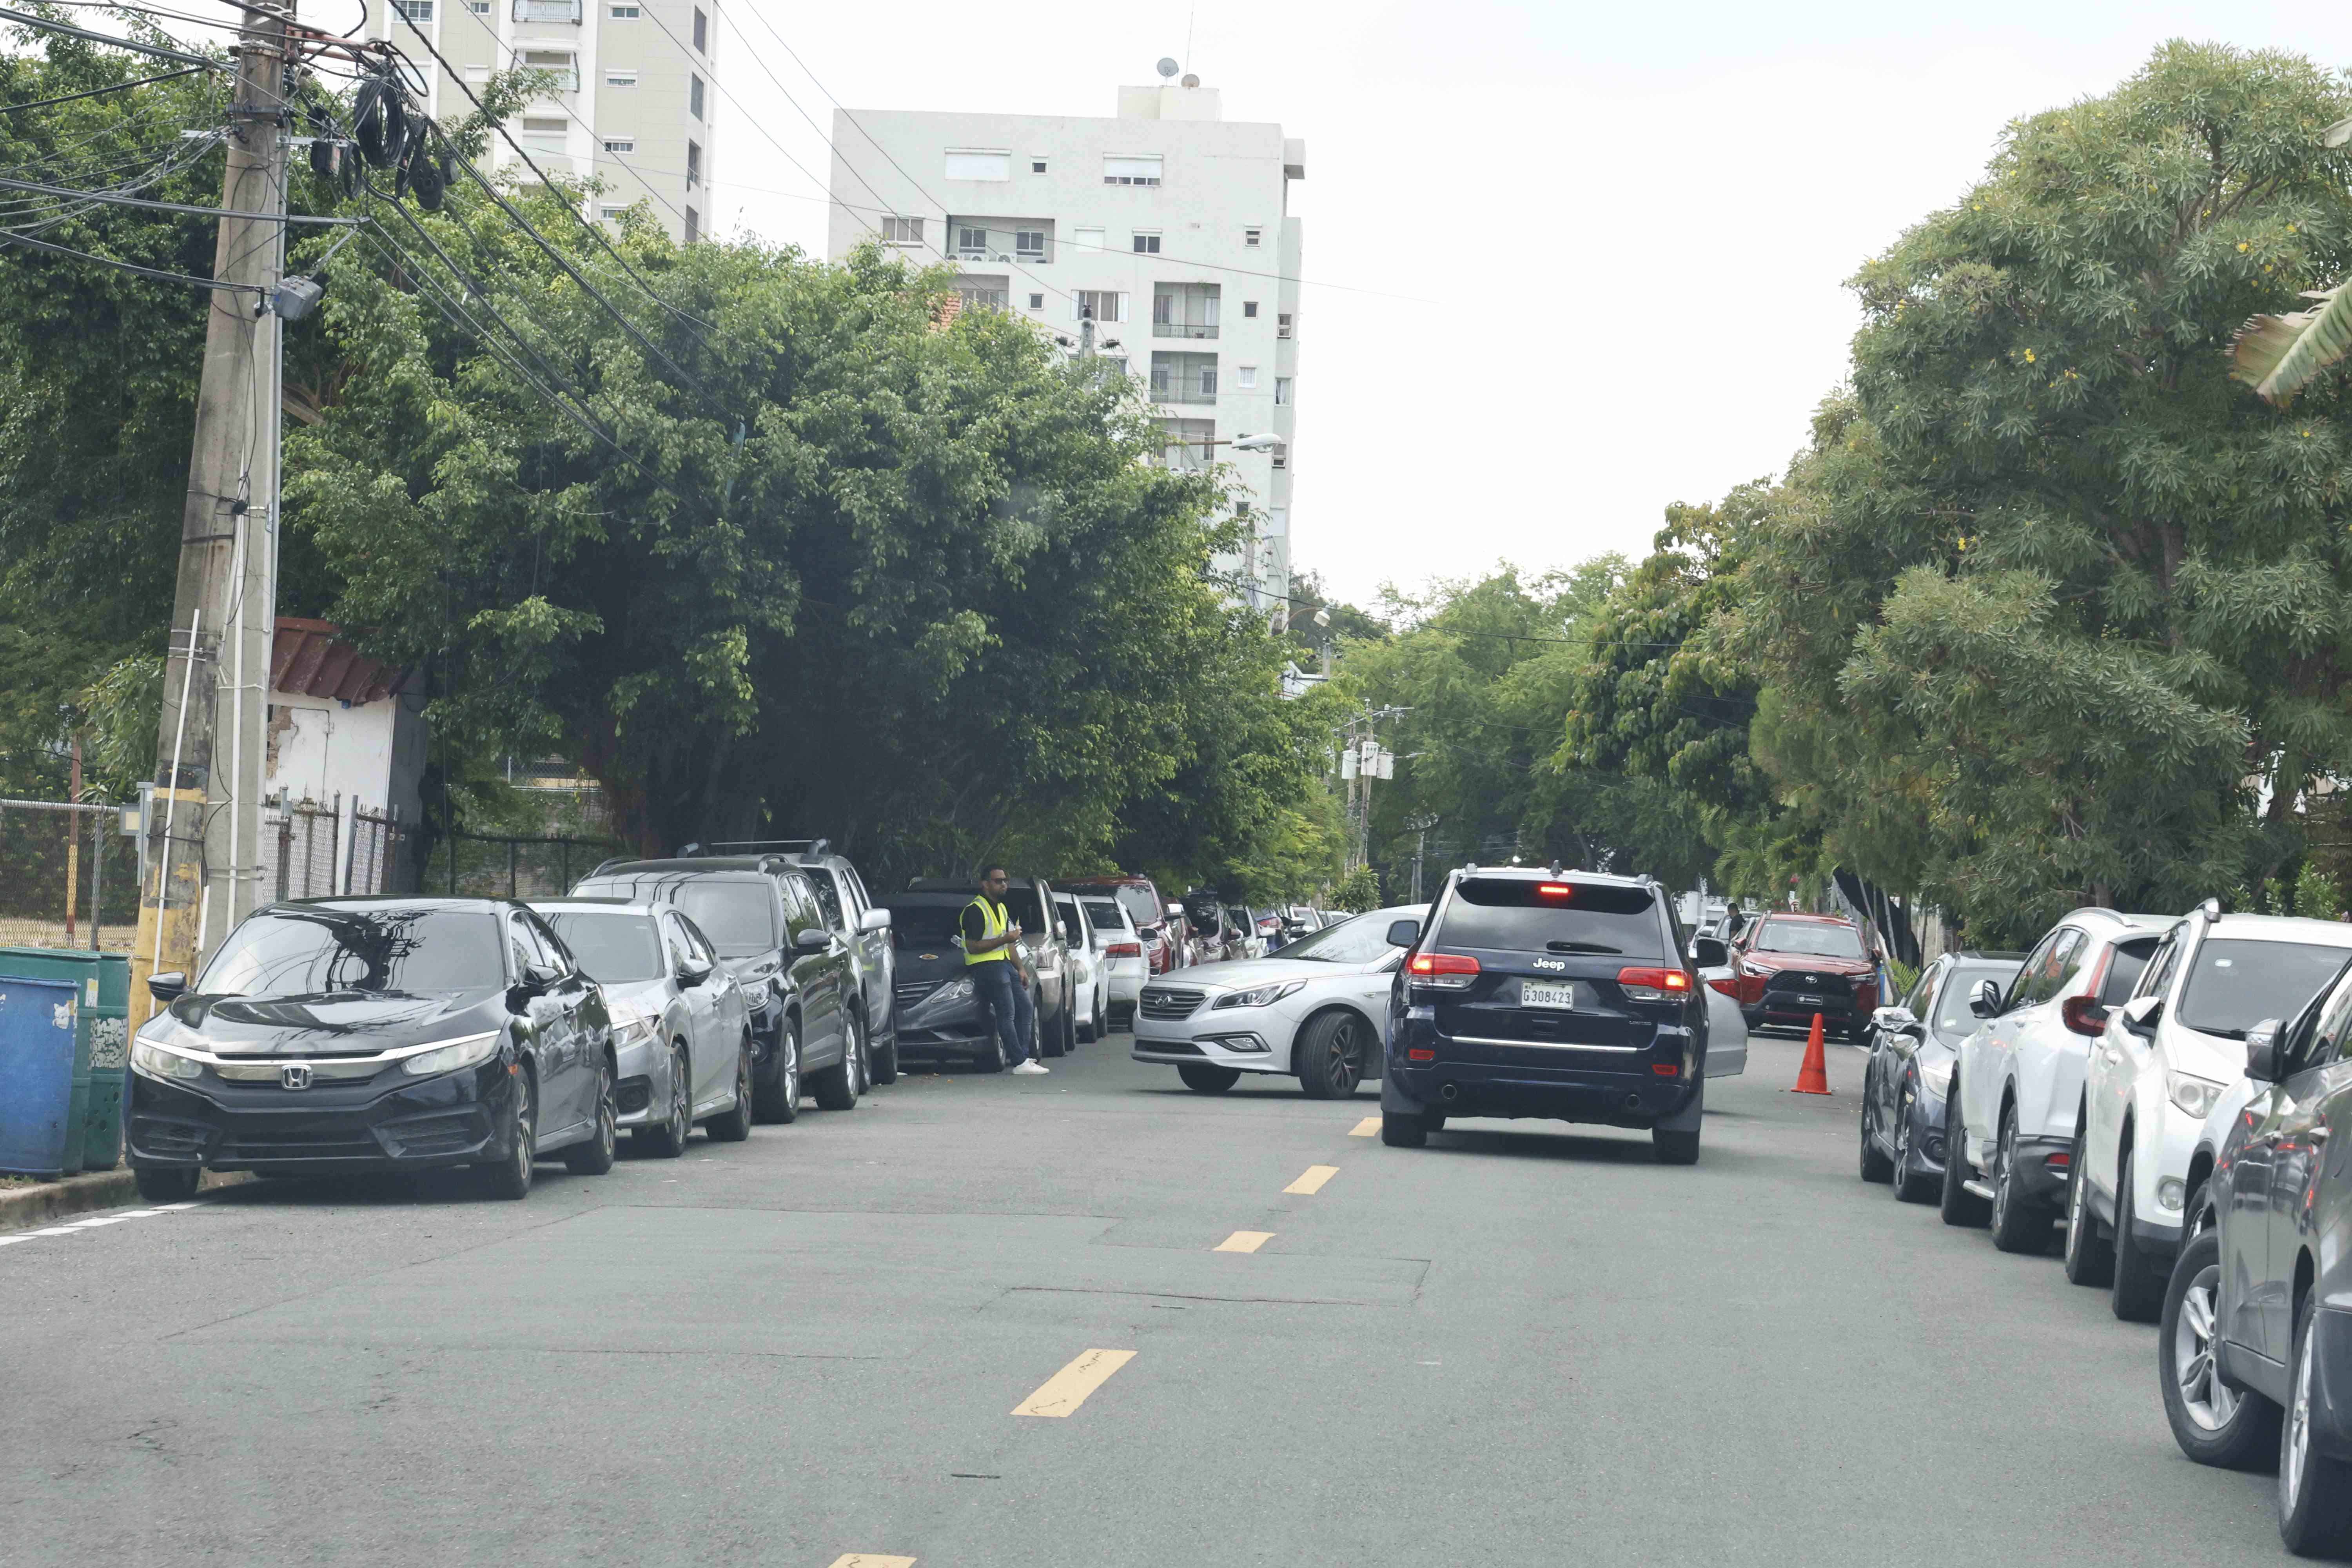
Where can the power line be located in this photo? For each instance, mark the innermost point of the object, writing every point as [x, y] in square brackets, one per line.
[109, 198]
[95, 91]
[111, 41]
[10, 236]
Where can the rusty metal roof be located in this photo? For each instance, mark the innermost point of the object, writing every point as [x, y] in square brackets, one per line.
[310, 658]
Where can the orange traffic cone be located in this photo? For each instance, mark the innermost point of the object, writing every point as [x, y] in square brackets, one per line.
[1813, 1075]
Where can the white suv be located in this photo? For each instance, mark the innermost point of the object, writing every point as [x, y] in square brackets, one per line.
[2018, 1084]
[2169, 1054]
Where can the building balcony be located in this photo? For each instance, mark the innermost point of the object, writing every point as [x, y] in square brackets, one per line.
[1184, 330]
[548, 11]
[1183, 389]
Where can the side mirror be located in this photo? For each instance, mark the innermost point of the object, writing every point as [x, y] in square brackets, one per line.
[1175, 911]
[814, 938]
[2262, 1053]
[874, 919]
[694, 971]
[540, 976]
[2140, 1015]
[1403, 933]
[1895, 1020]
[1984, 1001]
[168, 986]
[1708, 952]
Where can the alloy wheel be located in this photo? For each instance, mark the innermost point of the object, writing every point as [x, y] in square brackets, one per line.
[2298, 1434]
[859, 1082]
[681, 1112]
[1902, 1149]
[2004, 1155]
[2210, 1402]
[526, 1130]
[1347, 1057]
[788, 1076]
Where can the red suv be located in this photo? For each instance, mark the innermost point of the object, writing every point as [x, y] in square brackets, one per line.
[1163, 947]
[1786, 968]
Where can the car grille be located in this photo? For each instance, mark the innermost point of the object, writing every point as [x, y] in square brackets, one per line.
[913, 991]
[1166, 1004]
[1811, 981]
[1172, 1048]
[299, 1145]
[450, 1133]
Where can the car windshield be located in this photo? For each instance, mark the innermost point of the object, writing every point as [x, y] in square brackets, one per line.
[1105, 914]
[924, 925]
[1953, 1022]
[1363, 940]
[314, 952]
[1141, 904]
[1814, 939]
[611, 945]
[1515, 915]
[2237, 984]
[740, 918]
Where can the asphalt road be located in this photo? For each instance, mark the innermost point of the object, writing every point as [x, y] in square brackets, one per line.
[1523, 1344]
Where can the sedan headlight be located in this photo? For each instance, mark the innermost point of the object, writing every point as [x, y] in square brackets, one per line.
[2193, 1095]
[470, 1050]
[1259, 996]
[1938, 1077]
[961, 989]
[631, 1025]
[160, 1062]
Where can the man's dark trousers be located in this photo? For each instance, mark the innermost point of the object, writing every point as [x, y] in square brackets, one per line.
[1008, 1002]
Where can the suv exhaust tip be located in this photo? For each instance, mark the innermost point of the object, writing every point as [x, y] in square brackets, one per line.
[1449, 1092]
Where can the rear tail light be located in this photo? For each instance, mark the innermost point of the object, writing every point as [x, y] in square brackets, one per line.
[1653, 985]
[1444, 971]
[1420, 1056]
[1560, 892]
[1667, 1070]
[2084, 1014]
[1124, 950]
[1750, 988]
[1728, 985]
[2059, 1162]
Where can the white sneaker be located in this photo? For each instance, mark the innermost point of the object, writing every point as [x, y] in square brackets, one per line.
[1034, 1068]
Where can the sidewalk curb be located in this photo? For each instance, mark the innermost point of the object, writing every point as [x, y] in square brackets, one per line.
[23, 1208]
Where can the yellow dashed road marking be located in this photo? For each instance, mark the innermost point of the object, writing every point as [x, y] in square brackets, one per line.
[1243, 1241]
[1313, 1180]
[1370, 1127]
[1068, 1388]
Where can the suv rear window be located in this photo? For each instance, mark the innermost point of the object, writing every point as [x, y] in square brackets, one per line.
[1517, 916]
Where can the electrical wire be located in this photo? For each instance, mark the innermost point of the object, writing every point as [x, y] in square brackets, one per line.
[10, 236]
[95, 91]
[111, 41]
[109, 198]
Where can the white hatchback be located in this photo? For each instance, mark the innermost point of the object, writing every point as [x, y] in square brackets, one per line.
[2169, 1054]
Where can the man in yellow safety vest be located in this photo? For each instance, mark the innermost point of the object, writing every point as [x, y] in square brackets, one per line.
[991, 957]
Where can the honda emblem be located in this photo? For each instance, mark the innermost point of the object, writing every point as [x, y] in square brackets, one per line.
[295, 1074]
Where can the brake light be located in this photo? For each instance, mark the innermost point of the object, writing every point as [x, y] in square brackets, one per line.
[1420, 1055]
[2058, 1161]
[2082, 1014]
[1445, 971]
[1554, 890]
[1124, 950]
[1728, 984]
[1750, 987]
[1653, 985]
[1667, 1070]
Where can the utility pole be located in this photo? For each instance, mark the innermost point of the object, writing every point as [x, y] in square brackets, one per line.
[205, 824]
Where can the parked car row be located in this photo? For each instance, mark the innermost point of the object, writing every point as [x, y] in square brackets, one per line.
[715, 989]
[2155, 1095]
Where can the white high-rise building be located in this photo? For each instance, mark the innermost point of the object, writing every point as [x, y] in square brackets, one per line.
[633, 104]
[1168, 225]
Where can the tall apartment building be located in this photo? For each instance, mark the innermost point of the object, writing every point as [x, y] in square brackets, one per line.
[1167, 225]
[633, 103]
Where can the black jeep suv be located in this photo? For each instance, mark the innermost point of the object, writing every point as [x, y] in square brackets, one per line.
[1532, 993]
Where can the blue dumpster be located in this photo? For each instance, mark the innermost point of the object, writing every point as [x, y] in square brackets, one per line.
[103, 1062]
[39, 1021]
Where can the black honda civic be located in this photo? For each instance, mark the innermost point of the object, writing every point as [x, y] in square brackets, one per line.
[350, 1034]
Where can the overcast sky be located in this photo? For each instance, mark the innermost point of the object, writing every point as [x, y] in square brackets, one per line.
[1619, 232]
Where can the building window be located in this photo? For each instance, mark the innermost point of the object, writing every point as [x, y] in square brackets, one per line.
[1131, 171]
[620, 144]
[1282, 326]
[609, 211]
[620, 79]
[980, 165]
[1036, 302]
[701, 32]
[1281, 391]
[547, 11]
[693, 96]
[563, 62]
[980, 296]
[1185, 310]
[1252, 237]
[1029, 244]
[902, 231]
[1037, 166]
[1282, 454]
[479, 7]
[1147, 243]
[1184, 378]
[1245, 377]
[543, 134]
[693, 164]
[1089, 239]
[417, 11]
[1249, 309]
[972, 241]
[625, 12]
[693, 225]
[1102, 304]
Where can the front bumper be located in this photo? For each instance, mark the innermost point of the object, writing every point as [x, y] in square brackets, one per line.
[2164, 1140]
[641, 1081]
[457, 1119]
[1249, 1046]
[1782, 1011]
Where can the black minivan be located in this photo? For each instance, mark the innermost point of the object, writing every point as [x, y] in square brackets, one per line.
[1559, 995]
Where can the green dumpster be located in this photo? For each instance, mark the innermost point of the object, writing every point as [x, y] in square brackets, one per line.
[101, 1044]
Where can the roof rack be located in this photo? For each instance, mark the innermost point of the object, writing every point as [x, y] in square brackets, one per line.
[810, 848]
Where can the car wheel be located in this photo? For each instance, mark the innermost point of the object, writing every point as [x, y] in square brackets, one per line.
[2090, 1257]
[1403, 1130]
[837, 1087]
[667, 1141]
[167, 1183]
[1332, 1056]
[778, 1100]
[2018, 1224]
[595, 1157]
[1911, 1185]
[1208, 1080]
[510, 1177]
[1675, 1148]
[1102, 1017]
[734, 1125]
[2315, 1491]
[1875, 1166]
[2135, 1290]
[2213, 1422]
[1960, 1207]
[883, 1063]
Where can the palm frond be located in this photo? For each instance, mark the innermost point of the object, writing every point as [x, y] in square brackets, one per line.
[2278, 356]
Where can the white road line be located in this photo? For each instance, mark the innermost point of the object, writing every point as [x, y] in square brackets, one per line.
[99, 1221]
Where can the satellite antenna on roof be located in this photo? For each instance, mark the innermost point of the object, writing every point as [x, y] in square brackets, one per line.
[1168, 68]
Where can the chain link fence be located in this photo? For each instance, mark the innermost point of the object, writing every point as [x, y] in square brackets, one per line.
[66, 874]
